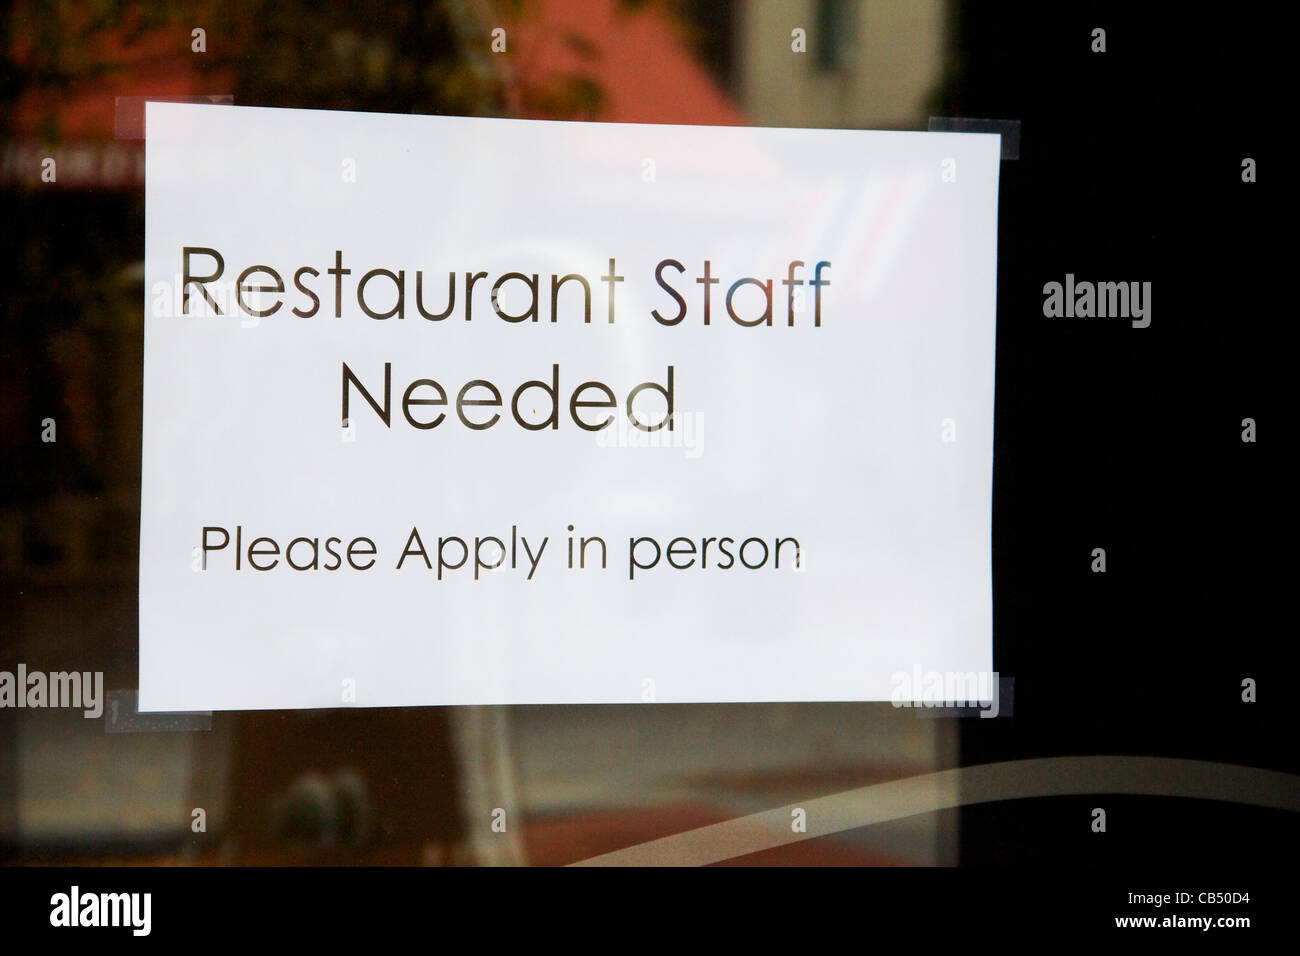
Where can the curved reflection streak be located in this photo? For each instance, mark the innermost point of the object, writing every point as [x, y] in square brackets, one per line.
[964, 786]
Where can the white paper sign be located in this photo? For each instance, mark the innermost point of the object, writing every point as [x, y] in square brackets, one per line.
[481, 296]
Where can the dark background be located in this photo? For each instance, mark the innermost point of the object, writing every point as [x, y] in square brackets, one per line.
[1130, 439]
